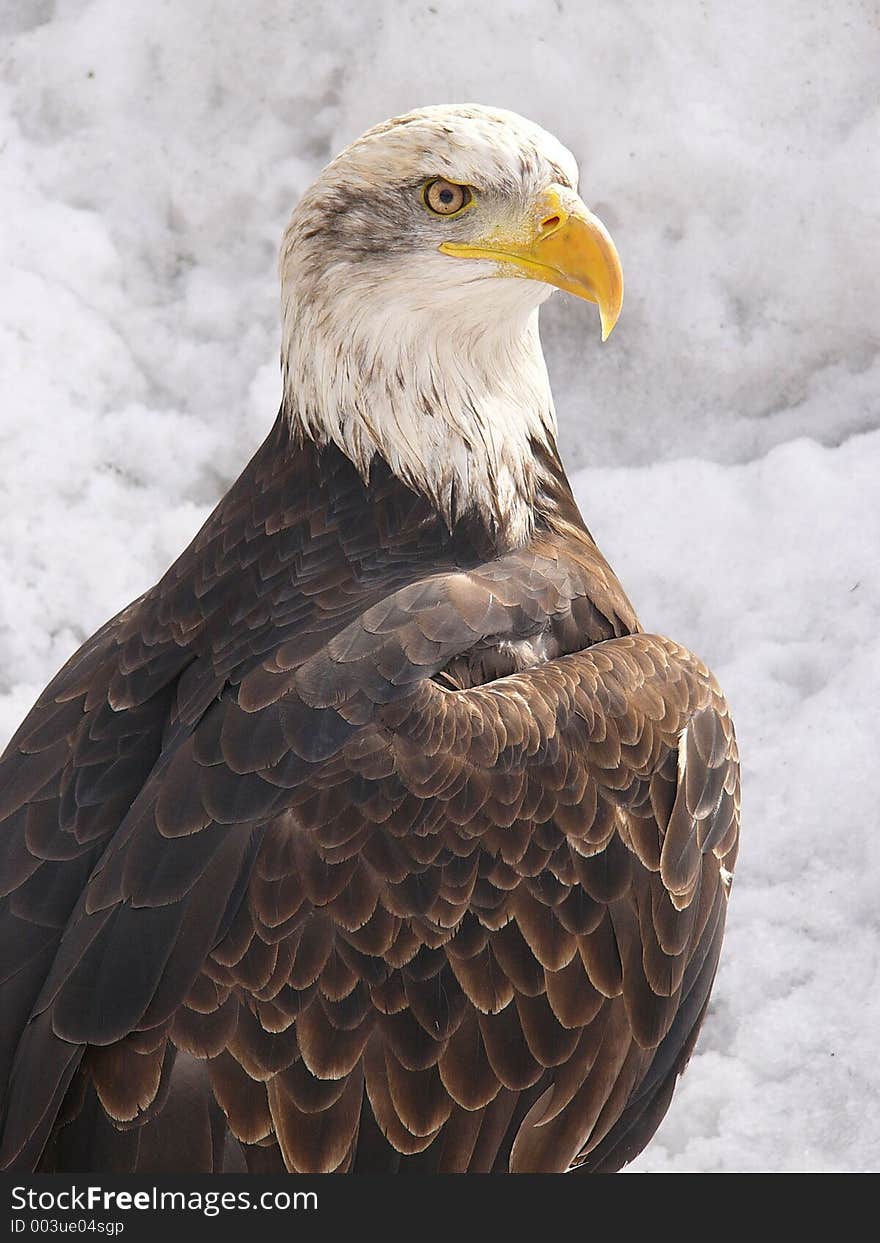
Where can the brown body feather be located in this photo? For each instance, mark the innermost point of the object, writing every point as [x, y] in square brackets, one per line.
[359, 845]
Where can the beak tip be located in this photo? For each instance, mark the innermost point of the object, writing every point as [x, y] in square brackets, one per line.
[609, 319]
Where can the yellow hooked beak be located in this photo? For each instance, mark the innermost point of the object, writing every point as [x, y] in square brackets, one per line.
[563, 244]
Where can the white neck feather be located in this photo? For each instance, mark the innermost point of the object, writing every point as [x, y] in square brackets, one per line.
[452, 401]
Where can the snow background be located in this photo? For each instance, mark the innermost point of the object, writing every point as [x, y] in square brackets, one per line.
[726, 439]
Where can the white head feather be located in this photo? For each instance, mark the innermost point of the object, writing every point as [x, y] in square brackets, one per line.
[390, 346]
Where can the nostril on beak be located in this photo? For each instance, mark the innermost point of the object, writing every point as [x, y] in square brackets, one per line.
[550, 223]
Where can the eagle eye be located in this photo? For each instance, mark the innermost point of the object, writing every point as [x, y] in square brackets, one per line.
[446, 198]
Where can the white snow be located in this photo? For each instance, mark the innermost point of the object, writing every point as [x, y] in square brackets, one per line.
[149, 155]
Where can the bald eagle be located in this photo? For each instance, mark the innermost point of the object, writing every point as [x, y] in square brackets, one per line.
[376, 836]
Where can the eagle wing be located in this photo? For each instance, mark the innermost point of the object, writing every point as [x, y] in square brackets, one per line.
[354, 917]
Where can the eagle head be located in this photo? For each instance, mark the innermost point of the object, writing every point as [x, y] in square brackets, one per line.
[412, 271]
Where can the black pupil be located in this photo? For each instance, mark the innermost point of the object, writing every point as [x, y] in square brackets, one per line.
[446, 197]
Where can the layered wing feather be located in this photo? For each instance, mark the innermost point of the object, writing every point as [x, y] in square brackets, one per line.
[513, 888]
[278, 896]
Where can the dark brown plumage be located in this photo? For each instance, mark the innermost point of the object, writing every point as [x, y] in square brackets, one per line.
[288, 883]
